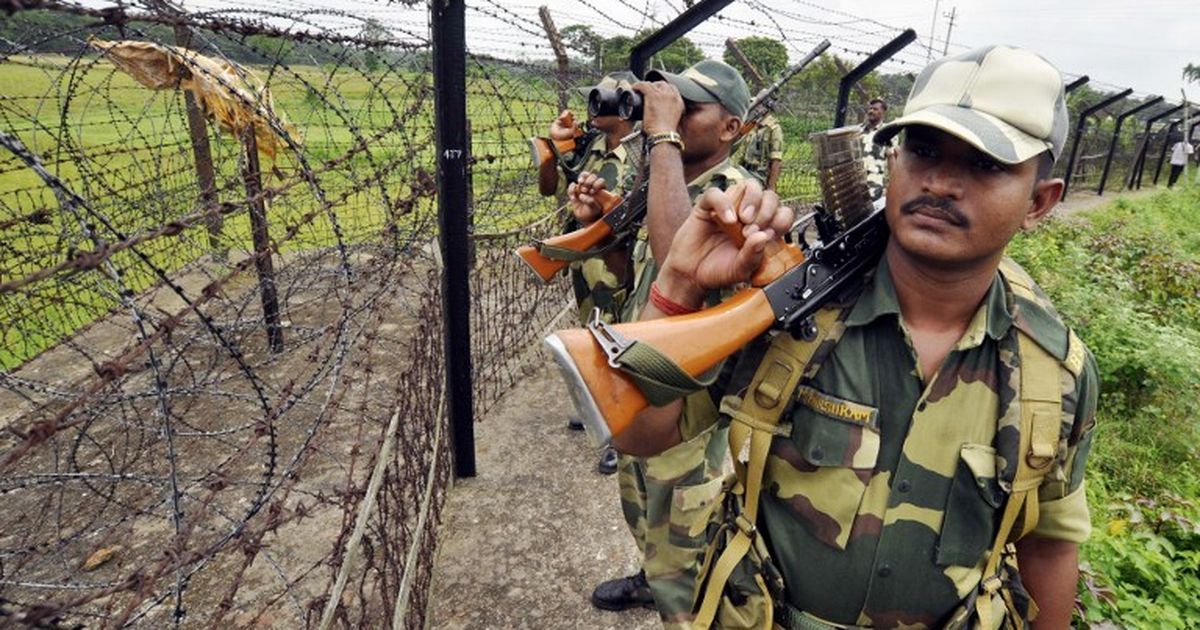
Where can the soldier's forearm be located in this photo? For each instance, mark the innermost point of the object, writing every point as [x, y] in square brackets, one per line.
[773, 173]
[668, 204]
[1049, 571]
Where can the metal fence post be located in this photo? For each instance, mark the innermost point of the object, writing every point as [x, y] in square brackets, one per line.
[1135, 180]
[198, 130]
[1079, 128]
[260, 235]
[640, 56]
[755, 77]
[863, 69]
[450, 111]
[1112, 144]
[1162, 155]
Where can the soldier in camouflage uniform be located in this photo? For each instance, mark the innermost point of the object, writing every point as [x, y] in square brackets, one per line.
[884, 487]
[604, 155]
[594, 284]
[875, 154]
[691, 121]
[763, 155]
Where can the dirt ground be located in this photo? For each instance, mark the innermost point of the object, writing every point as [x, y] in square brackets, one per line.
[523, 544]
[1080, 200]
[109, 490]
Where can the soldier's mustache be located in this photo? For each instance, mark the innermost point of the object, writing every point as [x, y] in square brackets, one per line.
[942, 206]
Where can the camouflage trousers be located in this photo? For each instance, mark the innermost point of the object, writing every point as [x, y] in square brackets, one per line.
[596, 287]
[667, 500]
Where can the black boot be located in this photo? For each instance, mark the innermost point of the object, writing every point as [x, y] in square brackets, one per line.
[623, 593]
[608, 461]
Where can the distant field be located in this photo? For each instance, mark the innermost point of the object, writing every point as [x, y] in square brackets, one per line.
[126, 150]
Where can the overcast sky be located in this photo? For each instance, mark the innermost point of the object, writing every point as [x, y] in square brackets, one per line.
[1142, 44]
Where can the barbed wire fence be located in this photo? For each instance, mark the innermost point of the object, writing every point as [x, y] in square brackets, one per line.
[222, 363]
[222, 360]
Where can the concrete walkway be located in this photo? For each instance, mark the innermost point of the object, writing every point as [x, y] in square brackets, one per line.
[523, 543]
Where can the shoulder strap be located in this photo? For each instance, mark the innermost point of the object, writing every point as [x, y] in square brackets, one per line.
[756, 422]
[1041, 417]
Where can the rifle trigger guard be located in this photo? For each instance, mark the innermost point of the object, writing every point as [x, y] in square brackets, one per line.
[611, 342]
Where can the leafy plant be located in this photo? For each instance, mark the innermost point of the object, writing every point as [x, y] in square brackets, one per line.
[1127, 278]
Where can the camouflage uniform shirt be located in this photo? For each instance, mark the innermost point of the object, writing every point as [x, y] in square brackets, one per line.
[763, 144]
[880, 506]
[597, 159]
[593, 284]
[875, 161]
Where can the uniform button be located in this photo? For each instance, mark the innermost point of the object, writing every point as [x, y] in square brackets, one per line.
[816, 453]
[904, 485]
[921, 407]
[885, 570]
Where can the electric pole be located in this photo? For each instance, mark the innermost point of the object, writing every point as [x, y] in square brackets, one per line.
[949, 28]
[932, 28]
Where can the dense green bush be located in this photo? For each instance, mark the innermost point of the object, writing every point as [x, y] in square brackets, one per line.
[1127, 277]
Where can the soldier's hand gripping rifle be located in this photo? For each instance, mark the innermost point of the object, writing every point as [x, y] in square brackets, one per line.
[544, 149]
[549, 256]
[607, 366]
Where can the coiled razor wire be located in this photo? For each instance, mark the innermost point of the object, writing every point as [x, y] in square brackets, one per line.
[162, 465]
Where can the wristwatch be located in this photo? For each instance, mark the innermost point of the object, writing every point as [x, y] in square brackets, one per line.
[670, 137]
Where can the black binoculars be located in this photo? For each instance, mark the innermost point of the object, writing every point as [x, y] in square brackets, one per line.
[621, 102]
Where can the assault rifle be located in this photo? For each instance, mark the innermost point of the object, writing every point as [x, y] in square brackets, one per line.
[786, 291]
[622, 215]
[766, 103]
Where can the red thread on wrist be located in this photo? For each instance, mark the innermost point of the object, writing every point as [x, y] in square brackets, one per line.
[665, 304]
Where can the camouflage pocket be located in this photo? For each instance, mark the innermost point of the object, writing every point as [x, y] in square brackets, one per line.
[692, 508]
[970, 521]
[822, 472]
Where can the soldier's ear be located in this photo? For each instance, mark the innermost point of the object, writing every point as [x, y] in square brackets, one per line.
[730, 129]
[1046, 195]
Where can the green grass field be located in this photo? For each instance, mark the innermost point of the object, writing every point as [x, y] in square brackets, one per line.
[127, 151]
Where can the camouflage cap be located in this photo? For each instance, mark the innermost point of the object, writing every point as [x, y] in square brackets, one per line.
[611, 81]
[1007, 102]
[709, 81]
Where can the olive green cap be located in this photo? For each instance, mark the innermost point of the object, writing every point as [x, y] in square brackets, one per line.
[611, 81]
[709, 81]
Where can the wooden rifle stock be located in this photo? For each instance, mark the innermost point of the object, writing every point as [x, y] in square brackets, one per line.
[695, 342]
[543, 149]
[580, 240]
[609, 399]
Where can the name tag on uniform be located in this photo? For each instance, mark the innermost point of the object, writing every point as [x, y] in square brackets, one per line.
[848, 411]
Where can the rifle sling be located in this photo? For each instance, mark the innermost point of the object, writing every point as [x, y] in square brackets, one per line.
[659, 378]
[571, 255]
[755, 418]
